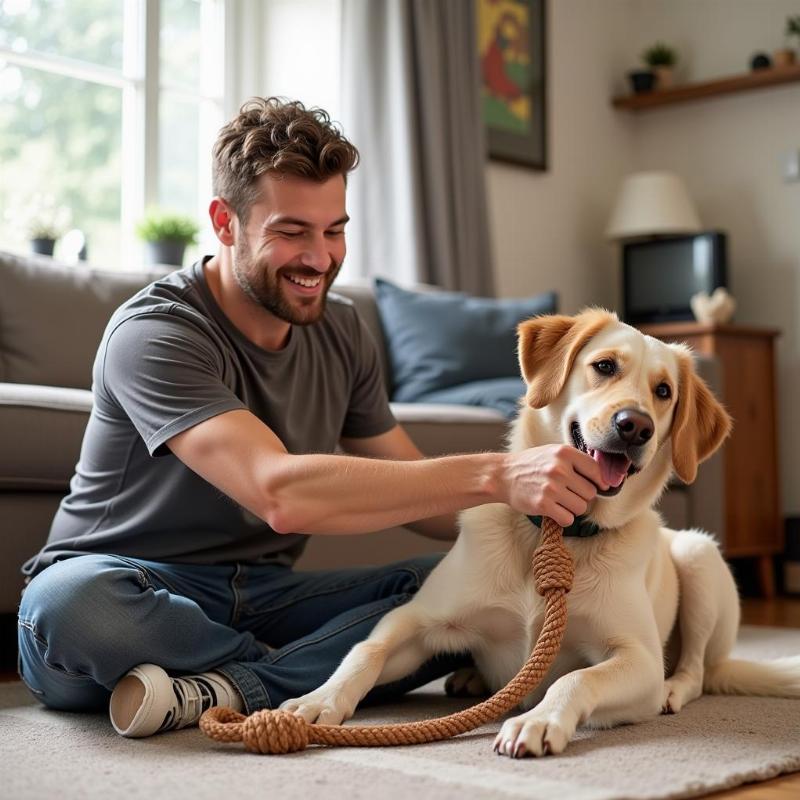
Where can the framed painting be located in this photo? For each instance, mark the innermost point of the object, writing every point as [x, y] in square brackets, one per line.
[511, 43]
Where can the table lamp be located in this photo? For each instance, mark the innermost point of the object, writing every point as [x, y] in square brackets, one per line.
[652, 204]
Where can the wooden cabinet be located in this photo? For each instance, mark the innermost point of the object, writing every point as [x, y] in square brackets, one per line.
[753, 520]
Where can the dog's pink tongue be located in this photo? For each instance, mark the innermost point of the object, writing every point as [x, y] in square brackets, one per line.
[613, 467]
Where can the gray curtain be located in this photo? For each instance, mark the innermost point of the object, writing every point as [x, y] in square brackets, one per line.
[411, 104]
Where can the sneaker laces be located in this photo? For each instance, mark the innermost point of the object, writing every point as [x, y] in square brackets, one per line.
[193, 696]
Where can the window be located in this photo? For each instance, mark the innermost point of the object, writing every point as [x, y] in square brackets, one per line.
[107, 107]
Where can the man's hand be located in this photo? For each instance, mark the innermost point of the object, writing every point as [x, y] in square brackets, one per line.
[554, 480]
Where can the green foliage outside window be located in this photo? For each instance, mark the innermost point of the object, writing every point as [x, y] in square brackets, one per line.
[59, 136]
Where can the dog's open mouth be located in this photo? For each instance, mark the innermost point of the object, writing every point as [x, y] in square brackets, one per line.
[614, 467]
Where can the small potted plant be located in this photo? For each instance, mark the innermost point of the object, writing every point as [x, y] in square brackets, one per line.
[45, 222]
[642, 80]
[43, 238]
[661, 58]
[786, 56]
[166, 235]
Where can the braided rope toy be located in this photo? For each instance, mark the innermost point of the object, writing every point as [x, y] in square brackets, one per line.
[271, 731]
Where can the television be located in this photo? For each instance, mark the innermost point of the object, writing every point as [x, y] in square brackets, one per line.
[661, 275]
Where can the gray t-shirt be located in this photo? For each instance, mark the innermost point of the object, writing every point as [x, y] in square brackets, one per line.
[169, 359]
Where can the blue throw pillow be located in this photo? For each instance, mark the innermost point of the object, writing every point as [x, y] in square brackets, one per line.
[437, 339]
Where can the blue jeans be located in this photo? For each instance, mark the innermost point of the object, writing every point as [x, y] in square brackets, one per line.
[275, 633]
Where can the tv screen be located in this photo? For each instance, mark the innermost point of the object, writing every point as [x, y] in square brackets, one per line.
[660, 276]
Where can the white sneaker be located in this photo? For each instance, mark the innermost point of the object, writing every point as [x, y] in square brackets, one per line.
[147, 700]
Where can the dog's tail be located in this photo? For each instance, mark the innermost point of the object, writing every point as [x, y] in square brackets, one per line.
[777, 678]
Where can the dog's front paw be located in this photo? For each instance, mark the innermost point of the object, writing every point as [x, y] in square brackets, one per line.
[465, 682]
[326, 707]
[679, 690]
[533, 733]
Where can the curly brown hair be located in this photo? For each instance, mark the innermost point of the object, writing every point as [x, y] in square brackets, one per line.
[274, 135]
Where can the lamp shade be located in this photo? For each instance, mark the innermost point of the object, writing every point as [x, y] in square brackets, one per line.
[651, 203]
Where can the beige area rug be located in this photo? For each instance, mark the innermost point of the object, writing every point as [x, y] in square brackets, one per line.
[715, 743]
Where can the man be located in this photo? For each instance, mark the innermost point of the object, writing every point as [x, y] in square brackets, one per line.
[220, 395]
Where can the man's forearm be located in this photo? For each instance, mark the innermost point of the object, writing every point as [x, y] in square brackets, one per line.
[331, 494]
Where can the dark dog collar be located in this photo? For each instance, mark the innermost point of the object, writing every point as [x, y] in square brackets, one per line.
[581, 528]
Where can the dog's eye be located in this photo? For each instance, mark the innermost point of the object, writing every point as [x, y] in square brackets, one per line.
[605, 366]
[663, 391]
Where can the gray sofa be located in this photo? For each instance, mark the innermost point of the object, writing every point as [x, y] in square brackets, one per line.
[51, 320]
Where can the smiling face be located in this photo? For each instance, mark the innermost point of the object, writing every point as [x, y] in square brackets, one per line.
[290, 250]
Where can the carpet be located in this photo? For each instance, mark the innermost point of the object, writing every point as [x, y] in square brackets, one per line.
[714, 743]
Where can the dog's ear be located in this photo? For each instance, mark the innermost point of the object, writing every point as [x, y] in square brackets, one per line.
[700, 423]
[547, 349]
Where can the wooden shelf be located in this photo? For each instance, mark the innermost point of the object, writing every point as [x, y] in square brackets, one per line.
[758, 79]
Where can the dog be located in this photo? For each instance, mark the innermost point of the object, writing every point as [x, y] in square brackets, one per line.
[653, 613]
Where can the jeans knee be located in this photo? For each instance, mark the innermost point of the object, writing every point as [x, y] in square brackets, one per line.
[71, 607]
[54, 685]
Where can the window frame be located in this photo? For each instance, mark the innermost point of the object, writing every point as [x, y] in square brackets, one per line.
[140, 82]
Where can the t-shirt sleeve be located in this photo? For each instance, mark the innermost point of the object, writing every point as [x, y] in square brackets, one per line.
[369, 413]
[165, 374]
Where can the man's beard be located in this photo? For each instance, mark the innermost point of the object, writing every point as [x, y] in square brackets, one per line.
[265, 288]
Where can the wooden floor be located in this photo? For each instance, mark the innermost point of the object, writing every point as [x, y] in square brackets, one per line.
[783, 613]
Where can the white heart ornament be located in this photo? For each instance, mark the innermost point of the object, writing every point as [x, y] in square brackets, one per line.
[717, 308]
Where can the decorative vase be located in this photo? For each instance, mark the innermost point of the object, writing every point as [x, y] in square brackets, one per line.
[165, 251]
[665, 77]
[43, 245]
[784, 57]
[642, 80]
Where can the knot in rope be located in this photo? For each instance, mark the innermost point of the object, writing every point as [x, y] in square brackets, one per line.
[272, 731]
[268, 731]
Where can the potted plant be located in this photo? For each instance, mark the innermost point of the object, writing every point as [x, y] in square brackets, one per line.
[642, 80]
[45, 222]
[43, 238]
[661, 58]
[786, 55]
[166, 235]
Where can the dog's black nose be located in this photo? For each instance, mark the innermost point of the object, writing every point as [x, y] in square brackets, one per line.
[632, 426]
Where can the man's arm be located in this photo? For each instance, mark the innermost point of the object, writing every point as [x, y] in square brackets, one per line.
[337, 494]
[397, 444]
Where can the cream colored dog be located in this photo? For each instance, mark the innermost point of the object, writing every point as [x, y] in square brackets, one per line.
[646, 600]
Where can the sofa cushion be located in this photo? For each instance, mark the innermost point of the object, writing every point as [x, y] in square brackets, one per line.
[52, 317]
[437, 340]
